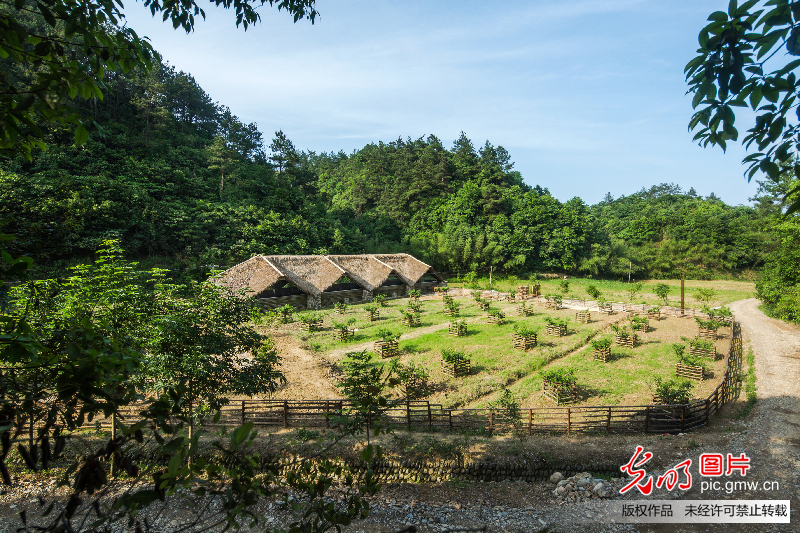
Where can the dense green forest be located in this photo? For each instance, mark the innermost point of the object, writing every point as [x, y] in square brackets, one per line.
[181, 181]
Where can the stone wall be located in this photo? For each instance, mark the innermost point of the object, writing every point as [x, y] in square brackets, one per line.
[420, 471]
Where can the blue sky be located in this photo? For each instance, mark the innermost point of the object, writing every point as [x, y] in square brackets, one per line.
[588, 96]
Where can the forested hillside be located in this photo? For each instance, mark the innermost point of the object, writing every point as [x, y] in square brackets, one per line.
[180, 180]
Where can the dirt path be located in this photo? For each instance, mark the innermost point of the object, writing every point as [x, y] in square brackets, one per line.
[306, 373]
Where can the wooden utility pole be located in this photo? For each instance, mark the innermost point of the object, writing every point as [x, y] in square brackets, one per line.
[490, 276]
[681, 295]
[630, 265]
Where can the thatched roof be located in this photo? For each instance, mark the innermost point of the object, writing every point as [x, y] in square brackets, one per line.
[363, 269]
[314, 273]
[409, 269]
[311, 273]
[254, 275]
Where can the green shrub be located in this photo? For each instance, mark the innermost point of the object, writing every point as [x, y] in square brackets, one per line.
[602, 343]
[673, 391]
[708, 324]
[387, 335]
[593, 292]
[562, 375]
[344, 324]
[699, 343]
[525, 330]
[380, 300]
[704, 295]
[558, 322]
[662, 291]
[564, 284]
[451, 356]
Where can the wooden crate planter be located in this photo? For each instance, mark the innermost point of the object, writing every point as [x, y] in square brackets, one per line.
[457, 330]
[651, 315]
[535, 290]
[523, 342]
[551, 304]
[558, 393]
[644, 328]
[452, 313]
[457, 369]
[410, 321]
[584, 317]
[628, 341]
[704, 333]
[372, 316]
[710, 354]
[605, 308]
[312, 325]
[689, 371]
[343, 335]
[523, 291]
[386, 348]
[557, 331]
[495, 319]
[602, 354]
[525, 310]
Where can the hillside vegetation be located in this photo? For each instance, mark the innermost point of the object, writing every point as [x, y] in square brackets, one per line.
[180, 181]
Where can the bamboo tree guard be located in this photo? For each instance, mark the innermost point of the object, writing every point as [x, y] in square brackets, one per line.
[628, 341]
[711, 353]
[707, 333]
[496, 319]
[523, 291]
[602, 354]
[372, 316]
[484, 305]
[452, 312]
[525, 310]
[690, 371]
[386, 348]
[606, 308]
[584, 317]
[643, 327]
[558, 393]
[342, 335]
[654, 315]
[556, 330]
[456, 369]
[457, 329]
[411, 320]
[523, 342]
[551, 304]
[312, 325]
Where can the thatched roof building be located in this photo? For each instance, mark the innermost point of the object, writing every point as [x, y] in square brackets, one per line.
[315, 274]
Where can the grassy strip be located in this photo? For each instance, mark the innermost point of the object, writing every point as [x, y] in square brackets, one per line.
[749, 385]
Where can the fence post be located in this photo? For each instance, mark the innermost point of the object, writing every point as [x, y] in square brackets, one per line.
[450, 417]
[647, 419]
[285, 413]
[569, 420]
[708, 404]
[327, 414]
[491, 421]
[408, 414]
[242, 411]
[430, 419]
[530, 421]
[608, 421]
[683, 418]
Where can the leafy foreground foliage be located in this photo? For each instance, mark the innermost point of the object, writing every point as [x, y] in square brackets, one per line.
[87, 346]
